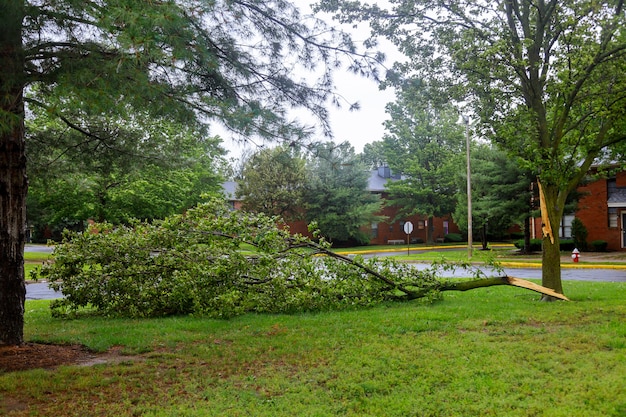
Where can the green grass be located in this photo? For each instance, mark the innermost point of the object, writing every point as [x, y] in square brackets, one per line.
[33, 260]
[36, 256]
[490, 352]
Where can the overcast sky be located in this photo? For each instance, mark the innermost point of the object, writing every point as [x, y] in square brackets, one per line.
[358, 126]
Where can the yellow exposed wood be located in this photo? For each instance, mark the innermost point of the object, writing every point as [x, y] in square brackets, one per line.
[546, 228]
[522, 283]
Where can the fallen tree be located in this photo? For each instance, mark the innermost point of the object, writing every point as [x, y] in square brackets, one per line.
[217, 262]
[447, 285]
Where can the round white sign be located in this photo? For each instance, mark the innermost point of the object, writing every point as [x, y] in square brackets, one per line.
[408, 228]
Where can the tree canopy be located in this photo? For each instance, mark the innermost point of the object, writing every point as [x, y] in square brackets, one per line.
[274, 182]
[337, 197]
[546, 78]
[73, 178]
[424, 143]
[501, 193]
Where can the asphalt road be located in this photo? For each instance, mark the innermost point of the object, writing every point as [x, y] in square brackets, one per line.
[567, 274]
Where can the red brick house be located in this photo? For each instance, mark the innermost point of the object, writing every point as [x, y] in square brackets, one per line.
[382, 233]
[601, 209]
[393, 231]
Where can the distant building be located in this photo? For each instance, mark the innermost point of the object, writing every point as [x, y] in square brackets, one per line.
[392, 231]
[230, 192]
[602, 209]
[381, 233]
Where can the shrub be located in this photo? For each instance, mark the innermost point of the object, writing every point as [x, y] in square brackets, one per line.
[568, 245]
[579, 234]
[536, 245]
[599, 245]
[453, 237]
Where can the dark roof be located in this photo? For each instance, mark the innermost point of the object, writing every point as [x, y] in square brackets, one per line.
[230, 190]
[617, 196]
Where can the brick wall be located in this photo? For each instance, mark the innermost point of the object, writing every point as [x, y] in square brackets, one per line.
[593, 212]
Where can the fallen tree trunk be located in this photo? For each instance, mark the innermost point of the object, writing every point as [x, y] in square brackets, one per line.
[465, 285]
[505, 280]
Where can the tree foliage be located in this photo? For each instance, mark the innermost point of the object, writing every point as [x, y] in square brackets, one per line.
[424, 142]
[546, 78]
[273, 182]
[217, 262]
[73, 178]
[337, 198]
[501, 195]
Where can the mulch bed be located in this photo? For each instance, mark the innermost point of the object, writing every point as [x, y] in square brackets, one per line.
[34, 355]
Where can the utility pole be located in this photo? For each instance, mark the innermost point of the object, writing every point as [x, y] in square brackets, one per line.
[469, 189]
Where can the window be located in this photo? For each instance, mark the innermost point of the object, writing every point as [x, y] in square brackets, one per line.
[566, 226]
[446, 227]
[374, 230]
[613, 217]
[611, 186]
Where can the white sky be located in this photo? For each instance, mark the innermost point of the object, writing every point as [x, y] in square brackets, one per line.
[358, 126]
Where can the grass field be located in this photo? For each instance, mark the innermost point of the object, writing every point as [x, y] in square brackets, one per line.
[490, 352]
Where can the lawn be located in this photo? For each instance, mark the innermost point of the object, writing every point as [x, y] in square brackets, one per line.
[490, 352]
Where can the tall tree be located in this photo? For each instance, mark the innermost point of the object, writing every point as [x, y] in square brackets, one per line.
[274, 182]
[548, 79]
[188, 60]
[337, 197]
[424, 142]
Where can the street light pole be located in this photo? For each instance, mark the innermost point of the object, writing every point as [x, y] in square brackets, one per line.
[469, 189]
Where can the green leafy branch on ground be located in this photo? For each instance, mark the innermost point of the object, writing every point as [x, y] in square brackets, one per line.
[221, 263]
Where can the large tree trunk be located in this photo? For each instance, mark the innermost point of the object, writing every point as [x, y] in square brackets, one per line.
[13, 182]
[551, 257]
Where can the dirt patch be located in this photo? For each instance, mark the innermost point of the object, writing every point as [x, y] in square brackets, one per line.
[34, 356]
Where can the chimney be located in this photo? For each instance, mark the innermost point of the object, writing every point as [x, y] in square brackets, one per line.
[384, 171]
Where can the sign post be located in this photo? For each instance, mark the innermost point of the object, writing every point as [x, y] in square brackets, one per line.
[408, 228]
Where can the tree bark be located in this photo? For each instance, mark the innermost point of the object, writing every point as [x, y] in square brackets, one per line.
[13, 181]
[483, 237]
[506, 280]
[551, 254]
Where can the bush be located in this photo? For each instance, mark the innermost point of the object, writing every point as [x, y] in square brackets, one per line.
[599, 245]
[536, 245]
[453, 237]
[579, 234]
[568, 245]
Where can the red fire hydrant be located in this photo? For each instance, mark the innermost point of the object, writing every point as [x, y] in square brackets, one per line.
[575, 255]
